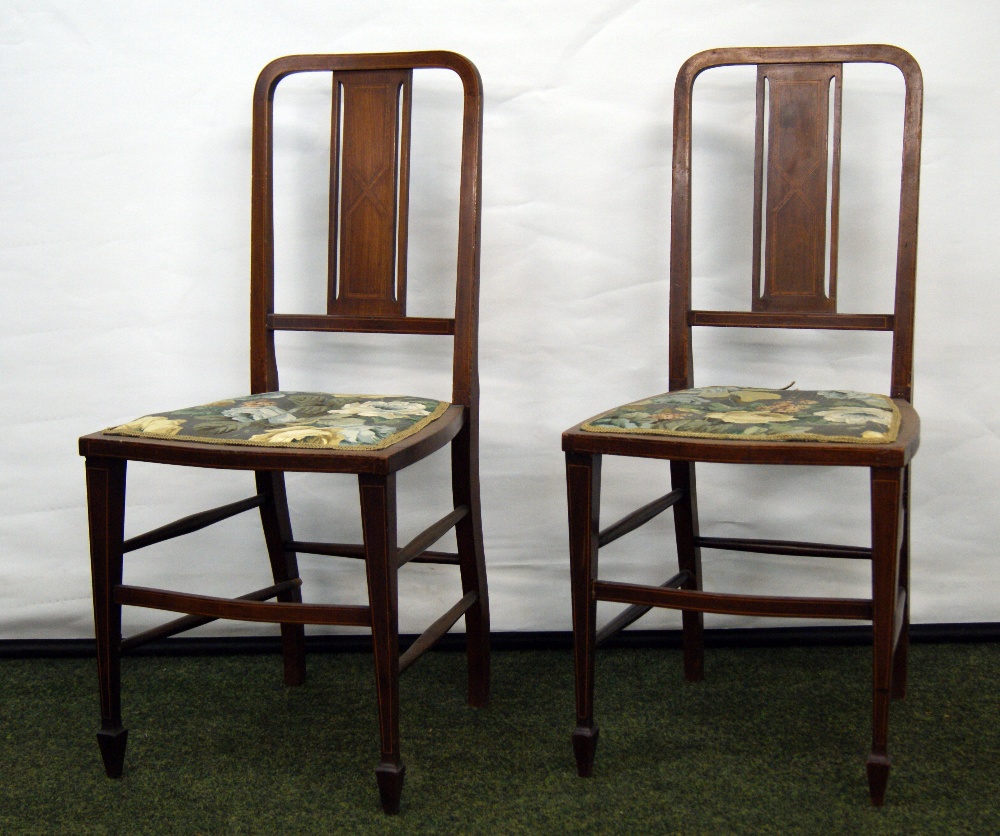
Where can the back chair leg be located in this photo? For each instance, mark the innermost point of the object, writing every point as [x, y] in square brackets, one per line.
[886, 511]
[900, 658]
[284, 567]
[583, 483]
[469, 536]
[378, 520]
[682, 478]
[106, 510]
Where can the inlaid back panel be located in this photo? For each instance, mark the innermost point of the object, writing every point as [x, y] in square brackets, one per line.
[796, 188]
[369, 176]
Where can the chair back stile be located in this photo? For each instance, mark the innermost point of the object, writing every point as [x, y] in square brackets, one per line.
[796, 200]
[369, 193]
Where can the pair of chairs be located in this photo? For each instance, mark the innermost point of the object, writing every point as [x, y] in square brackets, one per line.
[272, 431]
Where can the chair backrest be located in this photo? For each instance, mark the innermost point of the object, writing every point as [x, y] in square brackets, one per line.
[369, 196]
[796, 201]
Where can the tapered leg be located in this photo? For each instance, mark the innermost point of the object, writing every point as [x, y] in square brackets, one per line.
[900, 657]
[469, 535]
[106, 511]
[378, 520]
[284, 567]
[583, 487]
[886, 510]
[682, 478]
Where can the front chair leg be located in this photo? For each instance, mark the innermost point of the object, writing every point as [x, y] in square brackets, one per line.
[886, 512]
[583, 487]
[106, 511]
[378, 521]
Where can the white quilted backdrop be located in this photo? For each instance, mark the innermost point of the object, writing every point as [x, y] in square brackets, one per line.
[124, 238]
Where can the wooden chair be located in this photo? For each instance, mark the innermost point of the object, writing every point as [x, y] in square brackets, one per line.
[798, 100]
[272, 432]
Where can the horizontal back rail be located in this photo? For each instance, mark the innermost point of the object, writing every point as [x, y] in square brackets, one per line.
[361, 324]
[822, 322]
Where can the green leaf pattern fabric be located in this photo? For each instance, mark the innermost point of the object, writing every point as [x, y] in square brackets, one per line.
[293, 419]
[748, 414]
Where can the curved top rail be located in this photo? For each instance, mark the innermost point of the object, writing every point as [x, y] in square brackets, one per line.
[433, 59]
[838, 54]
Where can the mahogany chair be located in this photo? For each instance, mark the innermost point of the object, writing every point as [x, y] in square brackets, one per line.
[797, 171]
[271, 431]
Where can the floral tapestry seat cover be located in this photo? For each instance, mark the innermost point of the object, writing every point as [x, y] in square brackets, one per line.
[293, 419]
[747, 414]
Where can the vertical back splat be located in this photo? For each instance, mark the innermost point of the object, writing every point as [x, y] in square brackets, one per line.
[796, 188]
[369, 177]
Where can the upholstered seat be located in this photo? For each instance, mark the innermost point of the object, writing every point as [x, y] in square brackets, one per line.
[293, 419]
[750, 414]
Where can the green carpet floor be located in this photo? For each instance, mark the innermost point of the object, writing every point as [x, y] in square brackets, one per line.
[773, 741]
